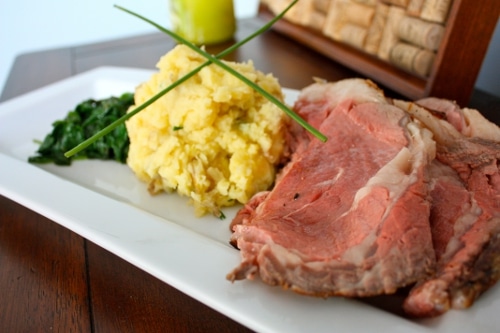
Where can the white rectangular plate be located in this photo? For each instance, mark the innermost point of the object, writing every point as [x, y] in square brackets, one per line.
[105, 203]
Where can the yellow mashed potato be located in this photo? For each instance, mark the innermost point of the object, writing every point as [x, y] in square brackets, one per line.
[213, 138]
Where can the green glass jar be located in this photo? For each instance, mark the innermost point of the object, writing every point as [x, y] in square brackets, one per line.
[203, 22]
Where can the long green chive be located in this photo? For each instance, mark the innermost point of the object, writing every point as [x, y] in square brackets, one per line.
[230, 70]
[211, 58]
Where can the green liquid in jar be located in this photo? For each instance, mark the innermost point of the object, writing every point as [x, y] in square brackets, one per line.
[203, 22]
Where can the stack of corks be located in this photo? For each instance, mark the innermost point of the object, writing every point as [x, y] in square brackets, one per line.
[406, 33]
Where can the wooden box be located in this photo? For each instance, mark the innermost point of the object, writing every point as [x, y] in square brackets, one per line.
[466, 35]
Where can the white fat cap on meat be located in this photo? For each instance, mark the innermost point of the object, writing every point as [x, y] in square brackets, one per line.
[358, 90]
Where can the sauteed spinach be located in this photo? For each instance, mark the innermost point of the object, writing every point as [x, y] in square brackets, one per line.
[88, 118]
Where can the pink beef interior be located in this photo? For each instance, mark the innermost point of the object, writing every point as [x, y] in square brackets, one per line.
[338, 222]
[465, 218]
[314, 193]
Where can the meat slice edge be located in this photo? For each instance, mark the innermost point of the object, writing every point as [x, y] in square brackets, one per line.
[334, 227]
[469, 258]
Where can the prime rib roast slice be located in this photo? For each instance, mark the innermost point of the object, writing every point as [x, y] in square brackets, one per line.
[350, 216]
[465, 214]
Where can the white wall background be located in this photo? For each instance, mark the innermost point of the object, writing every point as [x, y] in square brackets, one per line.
[28, 25]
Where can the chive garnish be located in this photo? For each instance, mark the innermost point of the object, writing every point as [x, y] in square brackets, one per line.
[211, 59]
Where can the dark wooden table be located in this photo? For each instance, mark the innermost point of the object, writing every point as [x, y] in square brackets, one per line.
[51, 279]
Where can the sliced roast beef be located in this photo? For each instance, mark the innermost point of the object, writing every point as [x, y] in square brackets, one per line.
[350, 216]
[465, 216]
[469, 122]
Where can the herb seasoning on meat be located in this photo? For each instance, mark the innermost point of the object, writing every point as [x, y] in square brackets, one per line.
[83, 122]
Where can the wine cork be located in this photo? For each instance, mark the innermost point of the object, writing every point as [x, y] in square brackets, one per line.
[372, 3]
[423, 61]
[400, 3]
[436, 10]
[321, 5]
[335, 19]
[353, 35]
[300, 12]
[414, 7]
[421, 33]
[412, 58]
[316, 20]
[376, 29]
[402, 55]
[359, 14]
[390, 34]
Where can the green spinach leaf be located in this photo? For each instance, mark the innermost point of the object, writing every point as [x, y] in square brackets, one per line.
[83, 122]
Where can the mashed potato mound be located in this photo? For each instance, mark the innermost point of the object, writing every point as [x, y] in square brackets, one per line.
[213, 138]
